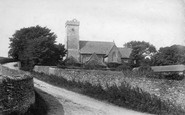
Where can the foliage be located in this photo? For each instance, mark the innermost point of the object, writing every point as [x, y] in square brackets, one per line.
[71, 62]
[123, 67]
[124, 95]
[113, 65]
[4, 60]
[170, 55]
[35, 45]
[145, 68]
[139, 51]
[166, 75]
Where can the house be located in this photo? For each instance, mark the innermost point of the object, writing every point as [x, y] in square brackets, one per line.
[83, 50]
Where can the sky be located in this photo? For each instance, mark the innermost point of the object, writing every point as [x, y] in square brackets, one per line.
[159, 22]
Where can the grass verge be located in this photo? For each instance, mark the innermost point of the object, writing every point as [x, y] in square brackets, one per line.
[124, 95]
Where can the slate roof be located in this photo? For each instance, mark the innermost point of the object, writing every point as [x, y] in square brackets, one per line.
[168, 68]
[98, 47]
[125, 52]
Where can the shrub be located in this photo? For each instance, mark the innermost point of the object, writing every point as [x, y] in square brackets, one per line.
[172, 75]
[123, 67]
[61, 66]
[113, 65]
[145, 68]
[69, 62]
[27, 65]
[4, 60]
[166, 75]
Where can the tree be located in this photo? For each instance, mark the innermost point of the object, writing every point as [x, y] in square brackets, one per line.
[141, 52]
[172, 55]
[35, 45]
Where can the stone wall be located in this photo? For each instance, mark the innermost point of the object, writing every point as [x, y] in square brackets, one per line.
[80, 75]
[16, 91]
[42, 69]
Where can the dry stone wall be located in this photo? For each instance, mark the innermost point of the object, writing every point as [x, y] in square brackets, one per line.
[16, 91]
[91, 76]
[42, 69]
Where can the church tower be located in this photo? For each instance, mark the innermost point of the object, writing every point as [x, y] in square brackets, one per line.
[72, 38]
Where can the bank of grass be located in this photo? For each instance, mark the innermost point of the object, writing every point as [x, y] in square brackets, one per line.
[125, 96]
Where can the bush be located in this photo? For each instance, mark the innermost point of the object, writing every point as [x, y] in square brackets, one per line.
[145, 68]
[174, 76]
[4, 60]
[166, 75]
[113, 65]
[123, 67]
[27, 65]
[70, 62]
[62, 66]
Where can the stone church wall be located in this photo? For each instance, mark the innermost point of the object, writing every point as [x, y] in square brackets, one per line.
[114, 52]
[16, 91]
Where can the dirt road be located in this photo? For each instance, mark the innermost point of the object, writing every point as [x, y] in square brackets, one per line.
[77, 104]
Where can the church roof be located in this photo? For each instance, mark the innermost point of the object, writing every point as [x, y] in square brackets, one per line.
[90, 47]
[125, 52]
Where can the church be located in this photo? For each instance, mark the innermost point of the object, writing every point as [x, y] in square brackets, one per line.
[83, 51]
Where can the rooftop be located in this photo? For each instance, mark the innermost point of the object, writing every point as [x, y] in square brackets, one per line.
[125, 52]
[98, 47]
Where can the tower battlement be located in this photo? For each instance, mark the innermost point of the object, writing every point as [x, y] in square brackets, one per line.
[73, 22]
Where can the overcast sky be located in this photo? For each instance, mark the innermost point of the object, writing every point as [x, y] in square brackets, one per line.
[160, 22]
